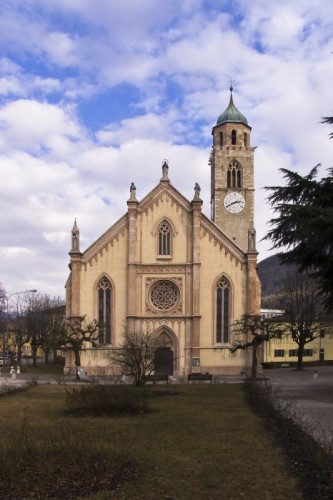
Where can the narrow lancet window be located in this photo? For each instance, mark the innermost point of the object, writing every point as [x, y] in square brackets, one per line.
[223, 304]
[104, 292]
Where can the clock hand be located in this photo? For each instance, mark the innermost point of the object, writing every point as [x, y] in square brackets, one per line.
[232, 203]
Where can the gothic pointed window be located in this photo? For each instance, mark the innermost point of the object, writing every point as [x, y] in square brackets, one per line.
[164, 239]
[234, 175]
[104, 291]
[233, 137]
[223, 307]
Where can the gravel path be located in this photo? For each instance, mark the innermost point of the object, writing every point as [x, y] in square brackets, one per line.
[311, 394]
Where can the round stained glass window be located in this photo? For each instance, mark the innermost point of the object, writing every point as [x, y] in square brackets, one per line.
[164, 295]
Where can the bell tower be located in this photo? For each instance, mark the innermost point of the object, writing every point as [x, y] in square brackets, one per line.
[232, 175]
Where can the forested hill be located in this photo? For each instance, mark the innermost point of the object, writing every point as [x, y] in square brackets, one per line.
[269, 271]
[272, 274]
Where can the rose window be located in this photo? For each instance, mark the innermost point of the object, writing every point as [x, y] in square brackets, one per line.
[164, 295]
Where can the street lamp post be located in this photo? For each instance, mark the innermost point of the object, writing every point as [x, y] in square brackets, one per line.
[7, 316]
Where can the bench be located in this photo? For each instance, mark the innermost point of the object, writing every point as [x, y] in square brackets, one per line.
[200, 377]
[82, 374]
[157, 378]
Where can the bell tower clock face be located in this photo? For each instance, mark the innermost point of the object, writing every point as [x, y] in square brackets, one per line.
[234, 202]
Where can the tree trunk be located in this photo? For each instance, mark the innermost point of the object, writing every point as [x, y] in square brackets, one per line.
[77, 363]
[47, 355]
[34, 355]
[53, 356]
[300, 357]
[254, 362]
[19, 355]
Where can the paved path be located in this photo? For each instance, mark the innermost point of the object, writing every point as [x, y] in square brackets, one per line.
[23, 378]
[311, 394]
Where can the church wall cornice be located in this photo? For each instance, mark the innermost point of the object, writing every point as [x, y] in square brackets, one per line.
[161, 269]
[117, 230]
[208, 227]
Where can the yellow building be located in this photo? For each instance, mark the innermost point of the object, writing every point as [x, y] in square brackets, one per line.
[164, 267]
[284, 351]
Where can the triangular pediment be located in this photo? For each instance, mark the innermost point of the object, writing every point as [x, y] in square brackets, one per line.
[163, 191]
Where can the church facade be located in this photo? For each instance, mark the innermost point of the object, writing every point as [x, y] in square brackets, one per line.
[166, 268]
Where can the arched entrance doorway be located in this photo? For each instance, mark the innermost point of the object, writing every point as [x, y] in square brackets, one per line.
[164, 355]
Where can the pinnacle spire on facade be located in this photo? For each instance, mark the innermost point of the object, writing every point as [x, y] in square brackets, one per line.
[75, 237]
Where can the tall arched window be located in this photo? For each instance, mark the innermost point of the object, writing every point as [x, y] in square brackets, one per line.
[221, 139]
[164, 239]
[234, 175]
[104, 291]
[223, 305]
[233, 137]
[245, 139]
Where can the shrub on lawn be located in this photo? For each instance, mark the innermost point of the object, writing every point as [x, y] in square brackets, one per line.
[7, 389]
[102, 399]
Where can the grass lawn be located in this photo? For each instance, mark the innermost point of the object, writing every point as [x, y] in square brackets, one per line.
[204, 443]
[51, 369]
[39, 370]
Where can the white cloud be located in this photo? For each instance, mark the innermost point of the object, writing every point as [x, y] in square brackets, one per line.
[176, 59]
[30, 125]
[14, 251]
[56, 236]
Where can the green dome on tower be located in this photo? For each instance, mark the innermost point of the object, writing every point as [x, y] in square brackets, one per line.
[231, 114]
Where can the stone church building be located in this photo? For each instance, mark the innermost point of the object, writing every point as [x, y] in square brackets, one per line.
[165, 267]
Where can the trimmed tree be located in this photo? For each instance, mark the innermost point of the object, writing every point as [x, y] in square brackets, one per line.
[250, 332]
[75, 333]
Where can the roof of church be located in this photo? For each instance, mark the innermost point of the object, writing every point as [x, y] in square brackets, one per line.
[231, 114]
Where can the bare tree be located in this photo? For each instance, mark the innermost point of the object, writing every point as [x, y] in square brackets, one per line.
[136, 355]
[2, 299]
[3, 320]
[74, 335]
[303, 309]
[54, 327]
[250, 332]
[18, 319]
[44, 314]
[3, 311]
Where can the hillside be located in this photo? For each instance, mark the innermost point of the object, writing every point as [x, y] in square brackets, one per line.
[272, 275]
[269, 271]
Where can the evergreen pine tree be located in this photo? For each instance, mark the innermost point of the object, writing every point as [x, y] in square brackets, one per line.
[304, 226]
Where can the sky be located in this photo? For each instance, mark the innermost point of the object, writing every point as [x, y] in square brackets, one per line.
[95, 94]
